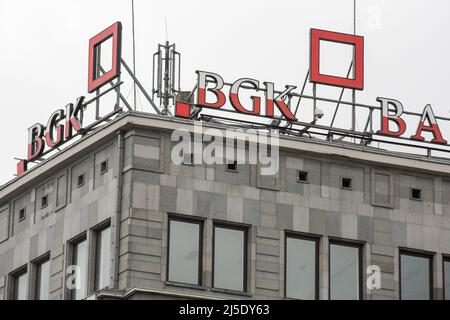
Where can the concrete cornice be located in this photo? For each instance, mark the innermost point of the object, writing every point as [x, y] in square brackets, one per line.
[128, 120]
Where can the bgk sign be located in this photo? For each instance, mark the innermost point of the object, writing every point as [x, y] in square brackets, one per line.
[392, 124]
[63, 124]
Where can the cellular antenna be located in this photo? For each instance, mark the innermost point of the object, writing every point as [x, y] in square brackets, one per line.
[166, 74]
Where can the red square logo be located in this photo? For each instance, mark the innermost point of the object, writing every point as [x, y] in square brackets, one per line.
[114, 32]
[358, 52]
[182, 110]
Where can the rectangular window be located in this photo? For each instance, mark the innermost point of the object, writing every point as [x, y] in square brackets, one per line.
[44, 201]
[22, 214]
[416, 194]
[102, 258]
[346, 183]
[42, 280]
[303, 176]
[232, 166]
[447, 278]
[79, 264]
[230, 258]
[20, 285]
[415, 276]
[80, 180]
[301, 267]
[185, 257]
[104, 167]
[345, 271]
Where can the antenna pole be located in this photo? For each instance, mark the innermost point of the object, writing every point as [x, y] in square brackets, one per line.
[134, 53]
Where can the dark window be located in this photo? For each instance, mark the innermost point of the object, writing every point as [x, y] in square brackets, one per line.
[20, 284]
[447, 278]
[346, 183]
[102, 258]
[22, 214]
[44, 201]
[416, 194]
[345, 271]
[185, 242]
[230, 255]
[80, 180]
[104, 167]
[301, 268]
[303, 176]
[415, 276]
[232, 166]
[79, 263]
[42, 280]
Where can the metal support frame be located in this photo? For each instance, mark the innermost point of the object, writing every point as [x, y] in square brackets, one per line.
[140, 87]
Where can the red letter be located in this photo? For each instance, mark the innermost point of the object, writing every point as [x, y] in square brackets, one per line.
[35, 143]
[49, 134]
[278, 101]
[72, 119]
[396, 117]
[433, 127]
[201, 97]
[234, 97]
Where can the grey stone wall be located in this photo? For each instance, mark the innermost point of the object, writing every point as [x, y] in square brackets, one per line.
[377, 211]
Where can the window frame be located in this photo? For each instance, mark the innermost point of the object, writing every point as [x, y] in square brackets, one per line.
[13, 277]
[200, 221]
[104, 170]
[306, 173]
[347, 243]
[20, 219]
[308, 237]
[239, 227]
[83, 175]
[350, 180]
[96, 231]
[419, 254]
[411, 194]
[445, 258]
[235, 164]
[35, 264]
[44, 205]
[70, 261]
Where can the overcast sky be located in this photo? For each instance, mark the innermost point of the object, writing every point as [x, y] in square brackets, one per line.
[44, 47]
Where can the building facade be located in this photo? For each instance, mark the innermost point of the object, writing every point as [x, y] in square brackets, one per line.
[112, 217]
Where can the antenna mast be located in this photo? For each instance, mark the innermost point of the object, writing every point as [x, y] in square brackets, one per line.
[166, 75]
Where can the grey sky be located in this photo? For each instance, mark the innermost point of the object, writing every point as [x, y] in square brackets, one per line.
[44, 50]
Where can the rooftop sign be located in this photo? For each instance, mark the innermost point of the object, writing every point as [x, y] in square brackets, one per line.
[268, 100]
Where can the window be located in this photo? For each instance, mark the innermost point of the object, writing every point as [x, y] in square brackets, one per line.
[185, 240]
[44, 201]
[20, 284]
[104, 167]
[301, 267]
[415, 276]
[303, 176]
[230, 255]
[80, 180]
[447, 278]
[346, 183]
[345, 271]
[188, 158]
[102, 258]
[232, 166]
[79, 263]
[416, 194]
[22, 214]
[42, 280]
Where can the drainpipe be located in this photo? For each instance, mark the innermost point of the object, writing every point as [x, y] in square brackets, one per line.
[120, 150]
